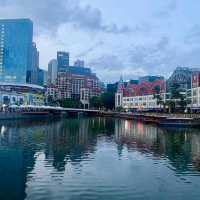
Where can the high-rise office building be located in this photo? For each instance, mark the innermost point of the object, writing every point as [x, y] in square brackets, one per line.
[79, 63]
[15, 50]
[32, 74]
[63, 61]
[52, 71]
[42, 77]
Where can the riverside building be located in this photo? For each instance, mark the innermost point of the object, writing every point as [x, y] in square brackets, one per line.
[195, 91]
[72, 82]
[16, 37]
[140, 94]
[52, 71]
[21, 94]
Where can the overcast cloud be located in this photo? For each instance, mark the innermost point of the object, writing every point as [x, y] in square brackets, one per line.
[115, 37]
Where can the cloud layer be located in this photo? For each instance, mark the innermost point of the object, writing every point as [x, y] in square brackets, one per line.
[50, 14]
[117, 38]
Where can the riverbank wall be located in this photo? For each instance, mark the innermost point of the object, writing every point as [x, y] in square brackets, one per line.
[175, 120]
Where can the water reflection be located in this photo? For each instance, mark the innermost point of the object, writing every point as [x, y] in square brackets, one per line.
[39, 159]
[180, 146]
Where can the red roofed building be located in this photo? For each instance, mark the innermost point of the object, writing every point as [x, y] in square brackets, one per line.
[140, 93]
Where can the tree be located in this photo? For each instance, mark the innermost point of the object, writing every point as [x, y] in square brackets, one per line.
[96, 102]
[171, 105]
[175, 91]
[158, 96]
[70, 103]
[177, 98]
[108, 100]
[183, 103]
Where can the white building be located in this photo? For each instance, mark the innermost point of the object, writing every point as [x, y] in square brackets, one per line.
[52, 92]
[137, 102]
[52, 71]
[195, 91]
[85, 97]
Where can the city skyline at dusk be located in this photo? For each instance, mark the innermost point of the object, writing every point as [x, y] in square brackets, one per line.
[131, 39]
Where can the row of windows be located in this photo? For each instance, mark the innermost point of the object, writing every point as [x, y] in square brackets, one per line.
[144, 98]
[149, 104]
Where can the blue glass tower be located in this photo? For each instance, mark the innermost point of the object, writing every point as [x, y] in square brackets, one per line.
[63, 61]
[16, 37]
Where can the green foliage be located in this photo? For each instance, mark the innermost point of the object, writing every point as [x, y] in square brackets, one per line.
[106, 100]
[70, 103]
[171, 105]
[96, 102]
[178, 98]
[52, 102]
[119, 109]
[157, 89]
[183, 104]
[175, 91]
[158, 98]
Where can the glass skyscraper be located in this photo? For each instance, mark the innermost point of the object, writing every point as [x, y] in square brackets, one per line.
[63, 61]
[16, 37]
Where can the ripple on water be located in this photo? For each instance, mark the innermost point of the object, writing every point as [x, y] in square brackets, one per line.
[98, 158]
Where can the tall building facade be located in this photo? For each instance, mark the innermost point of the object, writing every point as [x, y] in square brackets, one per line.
[63, 61]
[42, 77]
[32, 75]
[195, 91]
[79, 63]
[71, 83]
[181, 76]
[75, 84]
[15, 50]
[52, 71]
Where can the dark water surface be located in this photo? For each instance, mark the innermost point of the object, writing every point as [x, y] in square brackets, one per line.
[98, 158]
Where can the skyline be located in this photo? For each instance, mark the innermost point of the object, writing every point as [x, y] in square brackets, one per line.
[152, 38]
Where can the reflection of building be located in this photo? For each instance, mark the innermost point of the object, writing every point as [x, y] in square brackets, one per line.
[15, 50]
[140, 94]
[182, 147]
[16, 159]
[21, 94]
[128, 130]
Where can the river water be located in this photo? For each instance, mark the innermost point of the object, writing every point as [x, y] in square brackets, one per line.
[98, 158]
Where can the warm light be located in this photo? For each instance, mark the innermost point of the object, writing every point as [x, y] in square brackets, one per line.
[140, 127]
[127, 125]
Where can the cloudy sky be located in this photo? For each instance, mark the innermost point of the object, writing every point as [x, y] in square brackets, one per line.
[115, 37]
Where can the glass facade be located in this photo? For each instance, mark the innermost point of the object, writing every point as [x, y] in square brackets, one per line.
[15, 50]
[63, 61]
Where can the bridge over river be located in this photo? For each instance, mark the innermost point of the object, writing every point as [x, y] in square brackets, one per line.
[41, 112]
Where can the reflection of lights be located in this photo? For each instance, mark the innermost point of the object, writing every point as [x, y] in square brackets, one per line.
[185, 137]
[140, 127]
[127, 125]
[3, 130]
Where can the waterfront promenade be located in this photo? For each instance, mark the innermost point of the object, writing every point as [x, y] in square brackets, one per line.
[161, 119]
